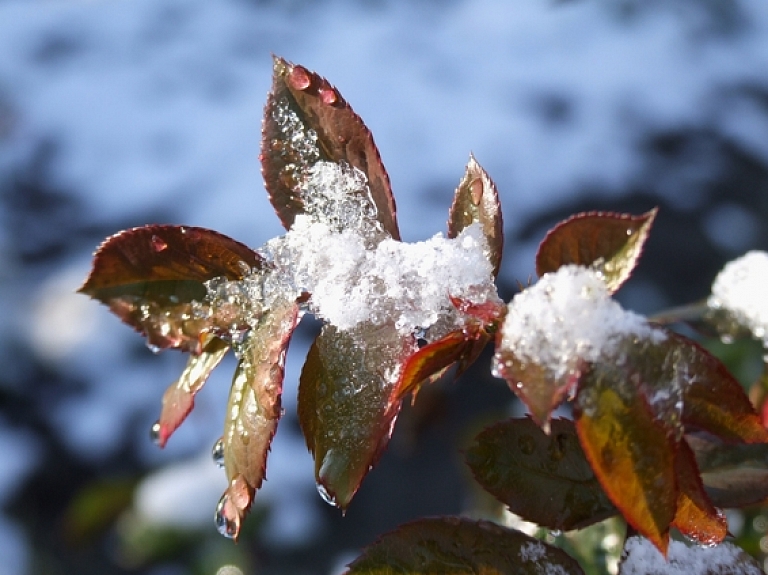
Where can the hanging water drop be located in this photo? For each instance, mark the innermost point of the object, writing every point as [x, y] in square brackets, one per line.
[327, 497]
[154, 348]
[226, 525]
[217, 453]
[154, 434]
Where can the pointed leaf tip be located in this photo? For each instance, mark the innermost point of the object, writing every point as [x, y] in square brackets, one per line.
[610, 242]
[476, 200]
[306, 121]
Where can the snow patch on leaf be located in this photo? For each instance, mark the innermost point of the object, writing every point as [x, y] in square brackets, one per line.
[740, 290]
[568, 315]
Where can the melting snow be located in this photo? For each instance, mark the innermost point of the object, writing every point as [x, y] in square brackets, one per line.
[740, 289]
[567, 314]
[642, 558]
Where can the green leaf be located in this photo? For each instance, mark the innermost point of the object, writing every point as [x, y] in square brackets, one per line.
[609, 242]
[630, 450]
[179, 398]
[253, 410]
[152, 278]
[545, 479]
[347, 407]
[306, 120]
[477, 201]
[460, 546]
[734, 475]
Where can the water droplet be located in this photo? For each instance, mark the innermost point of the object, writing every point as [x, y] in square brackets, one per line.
[226, 518]
[327, 497]
[159, 244]
[217, 453]
[527, 444]
[299, 78]
[555, 532]
[154, 348]
[476, 192]
[328, 96]
[154, 433]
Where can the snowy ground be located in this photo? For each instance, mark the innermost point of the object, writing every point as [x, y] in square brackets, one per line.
[154, 106]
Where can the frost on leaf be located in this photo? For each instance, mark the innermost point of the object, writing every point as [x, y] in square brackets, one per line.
[346, 409]
[545, 479]
[477, 201]
[553, 328]
[607, 242]
[306, 121]
[461, 546]
[153, 277]
[738, 301]
[253, 409]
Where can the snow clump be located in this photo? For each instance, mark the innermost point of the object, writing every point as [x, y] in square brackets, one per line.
[568, 314]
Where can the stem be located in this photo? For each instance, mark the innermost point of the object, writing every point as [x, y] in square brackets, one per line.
[688, 312]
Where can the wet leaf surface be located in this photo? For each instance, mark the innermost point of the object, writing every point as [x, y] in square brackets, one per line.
[179, 398]
[346, 403]
[477, 201]
[253, 410]
[610, 242]
[696, 516]
[306, 120]
[459, 546]
[151, 277]
[630, 451]
[545, 479]
[734, 475]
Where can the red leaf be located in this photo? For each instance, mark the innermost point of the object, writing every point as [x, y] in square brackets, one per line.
[306, 120]
[696, 517]
[713, 400]
[612, 243]
[152, 278]
[459, 547]
[253, 410]
[543, 478]
[629, 449]
[346, 406]
[477, 201]
[179, 398]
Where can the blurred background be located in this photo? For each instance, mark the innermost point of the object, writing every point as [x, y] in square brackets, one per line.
[118, 113]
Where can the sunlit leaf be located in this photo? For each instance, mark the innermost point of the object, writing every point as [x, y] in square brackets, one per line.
[152, 278]
[431, 360]
[696, 516]
[346, 404]
[609, 242]
[253, 410]
[477, 201]
[306, 120]
[545, 479]
[734, 475]
[179, 398]
[460, 546]
[629, 449]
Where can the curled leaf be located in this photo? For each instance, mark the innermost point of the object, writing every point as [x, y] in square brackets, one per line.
[152, 278]
[477, 201]
[545, 479]
[609, 242]
[179, 398]
[460, 546]
[346, 406]
[253, 410]
[306, 120]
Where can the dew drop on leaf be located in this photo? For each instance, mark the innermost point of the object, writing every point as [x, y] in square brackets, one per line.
[154, 433]
[217, 453]
[327, 497]
[159, 244]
